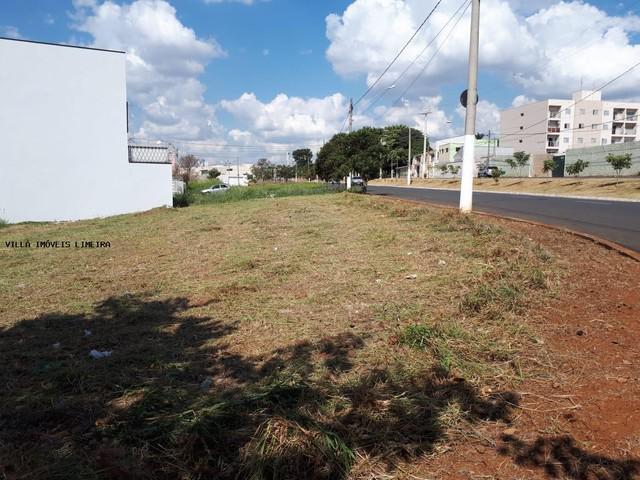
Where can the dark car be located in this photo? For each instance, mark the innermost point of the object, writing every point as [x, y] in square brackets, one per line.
[486, 172]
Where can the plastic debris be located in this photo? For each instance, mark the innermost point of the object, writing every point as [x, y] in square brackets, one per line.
[56, 345]
[97, 354]
[87, 333]
[442, 263]
[413, 276]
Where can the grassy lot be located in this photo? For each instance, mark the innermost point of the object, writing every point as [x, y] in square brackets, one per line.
[253, 191]
[628, 188]
[306, 337]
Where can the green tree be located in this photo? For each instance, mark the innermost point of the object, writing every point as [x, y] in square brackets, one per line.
[262, 170]
[577, 168]
[453, 169]
[619, 163]
[549, 165]
[443, 169]
[213, 173]
[519, 161]
[302, 158]
[496, 173]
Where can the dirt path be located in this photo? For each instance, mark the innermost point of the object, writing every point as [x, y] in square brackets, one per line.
[583, 421]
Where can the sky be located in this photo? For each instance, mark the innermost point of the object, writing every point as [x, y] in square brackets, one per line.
[259, 78]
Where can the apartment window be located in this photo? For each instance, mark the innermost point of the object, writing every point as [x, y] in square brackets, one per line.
[522, 114]
[565, 140]
[568, 111]
[604, 141]
[566, 125]
[521, 127]
[582, 112]
[581, 125]
[606, 113]
[593, 140]
[520, 141]
[605, 126]
[594, 126]
[595, 112]
[458, 149]
[580, 140]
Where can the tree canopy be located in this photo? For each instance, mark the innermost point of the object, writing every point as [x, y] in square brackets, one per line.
[366, 151]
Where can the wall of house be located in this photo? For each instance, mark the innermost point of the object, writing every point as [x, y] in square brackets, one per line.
[63, 132]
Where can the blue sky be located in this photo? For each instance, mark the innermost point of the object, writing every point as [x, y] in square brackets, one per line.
[248, 54]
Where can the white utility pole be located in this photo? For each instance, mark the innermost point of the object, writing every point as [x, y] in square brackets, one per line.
[423, 166]
[350, 115]
[468, 157]
[409, 162]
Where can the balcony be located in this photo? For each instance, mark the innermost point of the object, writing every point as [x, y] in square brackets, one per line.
[553, 145]
[554, 129]
[631, 132]
[617, 131]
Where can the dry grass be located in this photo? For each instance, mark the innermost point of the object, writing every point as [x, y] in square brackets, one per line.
[273, 338]
[629, 188]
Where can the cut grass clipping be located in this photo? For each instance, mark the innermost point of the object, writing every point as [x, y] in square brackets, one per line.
[318, 337]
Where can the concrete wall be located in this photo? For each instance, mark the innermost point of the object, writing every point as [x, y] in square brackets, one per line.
[596, 157]
[63, 132]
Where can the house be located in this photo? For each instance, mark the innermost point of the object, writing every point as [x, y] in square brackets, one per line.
[63, 131]
[233, 173]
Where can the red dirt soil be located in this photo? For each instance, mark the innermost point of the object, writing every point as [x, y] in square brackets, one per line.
[583, 422]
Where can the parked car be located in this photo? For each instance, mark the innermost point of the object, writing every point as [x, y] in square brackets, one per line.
[357, 181]
[486, 172]
[220, 188]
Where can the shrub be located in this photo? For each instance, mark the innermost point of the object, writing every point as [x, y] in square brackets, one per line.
[181, 200]
[577, 168]
[619, 163]
[3, 223]
[496, 173]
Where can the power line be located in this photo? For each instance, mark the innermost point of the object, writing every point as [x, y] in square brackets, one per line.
[630, 69]
[399, 77]
[415, 79]
[399, 53]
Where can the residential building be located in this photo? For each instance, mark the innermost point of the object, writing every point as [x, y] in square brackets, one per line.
[551, 127]
[231, 173]
[447, 148]
[63, 131]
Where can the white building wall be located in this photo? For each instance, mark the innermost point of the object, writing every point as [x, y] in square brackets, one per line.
[63, 134]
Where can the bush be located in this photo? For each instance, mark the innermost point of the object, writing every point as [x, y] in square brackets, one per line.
[181, 200]
[3, 223]
[496, 173]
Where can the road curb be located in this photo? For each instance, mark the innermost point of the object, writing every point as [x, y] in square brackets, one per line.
[624, 251]
[550, 195]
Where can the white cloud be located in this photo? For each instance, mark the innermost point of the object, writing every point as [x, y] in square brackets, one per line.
[520, 100]
[49, 19]
[545, 53]
[411, 113]
[288, 119]
[10, 31]
[164, 60]
[487, 116]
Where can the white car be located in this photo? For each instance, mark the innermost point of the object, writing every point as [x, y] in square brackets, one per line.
[220, 188]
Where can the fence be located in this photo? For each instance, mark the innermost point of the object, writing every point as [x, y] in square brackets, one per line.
[177, 186]
[597, 158]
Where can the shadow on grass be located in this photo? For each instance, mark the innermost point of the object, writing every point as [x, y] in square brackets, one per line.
[561, 457]
[172, 401]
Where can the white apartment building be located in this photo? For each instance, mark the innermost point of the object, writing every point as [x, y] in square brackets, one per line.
[551, 127]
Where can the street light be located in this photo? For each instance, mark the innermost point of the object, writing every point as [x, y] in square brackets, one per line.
[424, 146]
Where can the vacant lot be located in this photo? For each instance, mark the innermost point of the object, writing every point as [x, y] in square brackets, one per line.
[627, 188]
[334, 336]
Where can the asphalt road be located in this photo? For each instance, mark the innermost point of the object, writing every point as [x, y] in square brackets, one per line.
[615, 221]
